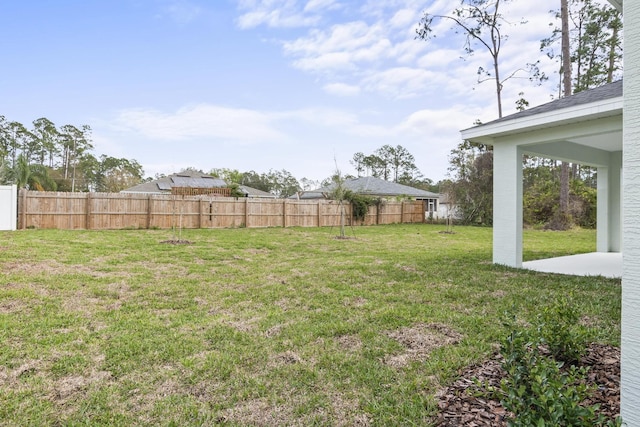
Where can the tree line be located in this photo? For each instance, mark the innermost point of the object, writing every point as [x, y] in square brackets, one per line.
[586, 44]
[395, 164]
[585, 41]
[46, 157]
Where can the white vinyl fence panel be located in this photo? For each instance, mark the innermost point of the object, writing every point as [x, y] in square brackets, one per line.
[8, 207]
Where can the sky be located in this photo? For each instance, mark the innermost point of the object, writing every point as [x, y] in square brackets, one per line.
[299, 85]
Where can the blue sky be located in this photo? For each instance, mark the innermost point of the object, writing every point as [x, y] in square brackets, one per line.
[256, 84]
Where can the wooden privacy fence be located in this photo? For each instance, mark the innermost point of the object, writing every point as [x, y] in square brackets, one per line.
[100, 211]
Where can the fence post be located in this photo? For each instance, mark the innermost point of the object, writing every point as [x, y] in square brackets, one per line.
[246, 212]
[319, 214]
[284, 213]
[87, 220]
[402, 212]
[199, 213]
[149, 202]
[23, 212]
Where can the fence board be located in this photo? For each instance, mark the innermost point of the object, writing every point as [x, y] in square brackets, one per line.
[102, 211]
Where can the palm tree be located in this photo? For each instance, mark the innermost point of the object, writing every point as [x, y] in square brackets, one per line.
[29, 176]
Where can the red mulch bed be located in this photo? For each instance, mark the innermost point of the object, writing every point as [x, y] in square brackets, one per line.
[460, 406]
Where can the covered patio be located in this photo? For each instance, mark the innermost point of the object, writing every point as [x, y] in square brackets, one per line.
[607, 264]
[585, 128]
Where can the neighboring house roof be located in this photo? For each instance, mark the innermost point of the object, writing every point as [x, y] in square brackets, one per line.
[183, 179]
[254, 192]
[189, 180]
[370, 186]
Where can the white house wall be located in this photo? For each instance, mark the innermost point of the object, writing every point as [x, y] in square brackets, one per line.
[630, 364]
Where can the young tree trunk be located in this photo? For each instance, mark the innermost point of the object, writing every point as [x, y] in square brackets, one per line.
[564, 192]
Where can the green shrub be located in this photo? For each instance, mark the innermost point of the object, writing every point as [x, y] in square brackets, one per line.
[560, 330]
[360, 204]
[543, 384]
[538, 391]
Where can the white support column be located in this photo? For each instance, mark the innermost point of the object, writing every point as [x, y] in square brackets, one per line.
[609, 227]
[507, 204]
[602, 226]
[630, 363]
[615, 203]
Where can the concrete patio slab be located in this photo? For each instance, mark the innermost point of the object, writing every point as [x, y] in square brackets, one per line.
[607, 264]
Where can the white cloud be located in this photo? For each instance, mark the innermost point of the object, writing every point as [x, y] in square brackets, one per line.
[404, 18]
[319, 5]
[200, 121]
[341, 89]
[281, 13]
[400, 82]
[182, 11]
[436, 121]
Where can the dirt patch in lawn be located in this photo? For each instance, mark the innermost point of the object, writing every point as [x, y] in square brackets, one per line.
[286, 358]
[13, 306]
[177, 242]
[52, 267]
[275, 330]
[355, 302]
[340, 411]
[66, 387]
[420, 340]
[350, 343]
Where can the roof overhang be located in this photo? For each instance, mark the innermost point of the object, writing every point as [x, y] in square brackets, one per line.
[617, 4]
[609, 110]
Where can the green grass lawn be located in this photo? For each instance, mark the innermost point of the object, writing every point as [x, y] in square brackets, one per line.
[261, 327]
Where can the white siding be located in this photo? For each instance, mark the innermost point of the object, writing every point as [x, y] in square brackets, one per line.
[631, 222]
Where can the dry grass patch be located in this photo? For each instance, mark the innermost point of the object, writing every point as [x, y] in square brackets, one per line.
[419, 341]
[275, 330]
[287, 358]
[334, 410]
[65, 387]
[52, 267]
[350, 343]
[355, 302]
[13, 306]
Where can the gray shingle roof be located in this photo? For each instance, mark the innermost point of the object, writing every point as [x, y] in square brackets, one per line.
[182, 179]
[608, 91]
[254, 192]
[372, 187]
[189, 179]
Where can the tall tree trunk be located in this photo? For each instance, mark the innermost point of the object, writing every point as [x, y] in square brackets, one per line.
[566, 48]
[566, 85]
[612, 55]
[495, 39]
